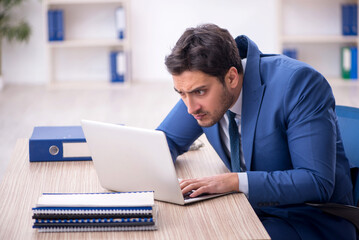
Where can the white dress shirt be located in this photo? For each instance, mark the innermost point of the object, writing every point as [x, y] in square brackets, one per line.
[237, 109]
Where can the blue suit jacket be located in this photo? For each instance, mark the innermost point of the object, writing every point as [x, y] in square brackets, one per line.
[291, 141]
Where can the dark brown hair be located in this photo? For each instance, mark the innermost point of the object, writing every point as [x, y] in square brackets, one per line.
[206, 48]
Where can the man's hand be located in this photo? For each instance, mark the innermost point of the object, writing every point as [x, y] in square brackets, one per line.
[223, 183]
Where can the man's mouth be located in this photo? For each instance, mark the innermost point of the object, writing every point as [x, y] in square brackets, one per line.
[199, 116]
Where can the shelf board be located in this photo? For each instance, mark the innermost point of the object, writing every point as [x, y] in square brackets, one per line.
[319, 39]
[87, 43]
[71, 2]
[83, 84]
[337, 81]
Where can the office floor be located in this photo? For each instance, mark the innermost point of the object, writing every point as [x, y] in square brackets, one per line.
[141, 105]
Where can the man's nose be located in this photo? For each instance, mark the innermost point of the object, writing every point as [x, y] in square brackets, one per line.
[192, 106]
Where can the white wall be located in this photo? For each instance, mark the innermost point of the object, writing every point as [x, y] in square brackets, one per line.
[25, 62]
[156, 25]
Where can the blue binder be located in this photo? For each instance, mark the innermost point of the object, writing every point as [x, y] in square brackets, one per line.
[354, 19]
[354, 63]
[120, 22]
[121, 66]
[290, 52]
[117, 66]
[113, 66]
[55, 143]
[345, 19]
[51, 24]
[346, 61]
[59, 30]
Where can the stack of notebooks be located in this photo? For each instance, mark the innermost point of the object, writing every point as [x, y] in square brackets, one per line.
[82, 212]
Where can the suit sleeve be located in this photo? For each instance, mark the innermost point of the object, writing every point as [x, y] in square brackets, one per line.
[309, 117]
[181, 129]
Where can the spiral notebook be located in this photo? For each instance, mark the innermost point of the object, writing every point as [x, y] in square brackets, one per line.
[114, 211]
[110, 199]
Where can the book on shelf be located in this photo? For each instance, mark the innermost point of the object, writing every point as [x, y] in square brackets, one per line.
[110, 211]
[354, 19]
[345, 62]
[117, 66]
[349, 19]
[120, 22]
[55, 20]
[290, 52]
[354, 63]
[349, 63]
[58, 143]
[51, 25]
[59, 30]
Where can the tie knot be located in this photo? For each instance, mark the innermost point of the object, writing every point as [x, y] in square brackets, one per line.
[230, 114]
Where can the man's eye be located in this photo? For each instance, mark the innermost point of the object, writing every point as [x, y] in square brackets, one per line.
[200, 92]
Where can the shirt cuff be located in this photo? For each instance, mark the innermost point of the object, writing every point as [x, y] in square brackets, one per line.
[243, 183]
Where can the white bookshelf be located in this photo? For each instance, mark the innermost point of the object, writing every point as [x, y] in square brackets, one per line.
[87, 43]
[317, 39]
[313, 27]
[63, 2]
[90, 34]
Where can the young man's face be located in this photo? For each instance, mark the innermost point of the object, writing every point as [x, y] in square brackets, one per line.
[206, 98]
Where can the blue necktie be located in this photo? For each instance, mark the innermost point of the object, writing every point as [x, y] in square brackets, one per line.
[235, 142]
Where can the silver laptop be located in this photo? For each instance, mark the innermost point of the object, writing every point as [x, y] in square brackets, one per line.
[134, 159]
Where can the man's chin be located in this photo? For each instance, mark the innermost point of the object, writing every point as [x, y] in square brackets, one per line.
[203, 123]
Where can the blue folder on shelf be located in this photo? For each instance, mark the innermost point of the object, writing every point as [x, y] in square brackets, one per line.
[290, 52]
[354, 19]
[354, 63]
[346, 61]
[117, 66]
[120, 22]
[51, 25]
[113, 66]
[59, 31]
[58, 143]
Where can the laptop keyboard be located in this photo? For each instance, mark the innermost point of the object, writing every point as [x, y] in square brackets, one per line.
[186, 195]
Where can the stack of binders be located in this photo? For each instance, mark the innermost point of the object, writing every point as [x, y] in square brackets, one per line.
[94, 212]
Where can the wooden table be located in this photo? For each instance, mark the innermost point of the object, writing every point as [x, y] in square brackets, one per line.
[227, 217]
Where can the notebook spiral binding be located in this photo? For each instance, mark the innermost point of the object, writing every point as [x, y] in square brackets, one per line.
[97, 229]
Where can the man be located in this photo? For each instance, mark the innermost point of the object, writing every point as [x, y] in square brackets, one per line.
[280, 138]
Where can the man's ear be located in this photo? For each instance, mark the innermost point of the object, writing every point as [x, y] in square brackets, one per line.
[232, 78]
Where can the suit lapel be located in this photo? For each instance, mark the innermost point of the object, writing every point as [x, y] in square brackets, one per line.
[253, 91]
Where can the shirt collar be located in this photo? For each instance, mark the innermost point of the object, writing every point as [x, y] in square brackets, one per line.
[237, 107]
